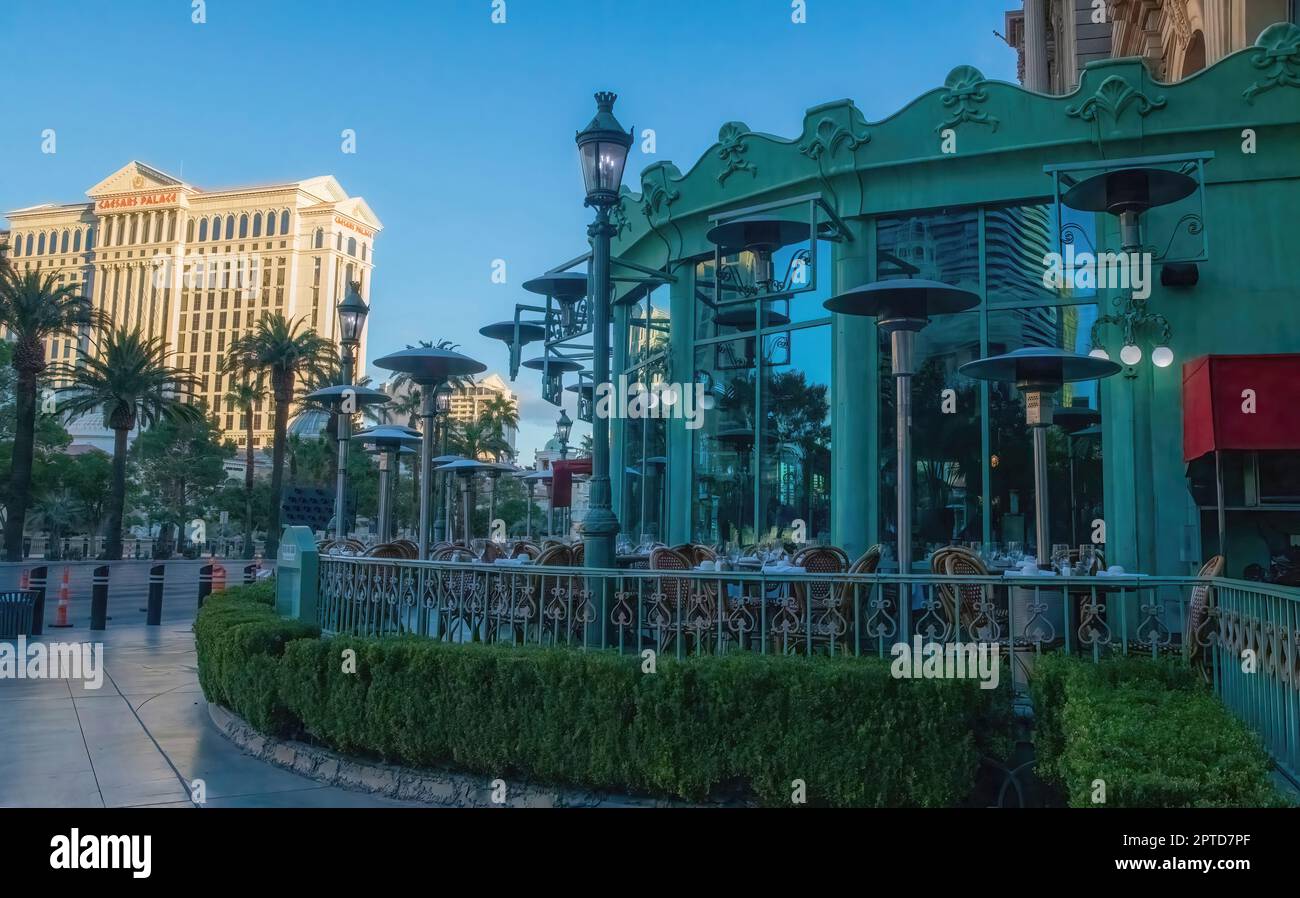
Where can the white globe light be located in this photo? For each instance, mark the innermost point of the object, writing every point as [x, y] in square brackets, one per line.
[1130, 355]
[1162, 356]
[1100, 353]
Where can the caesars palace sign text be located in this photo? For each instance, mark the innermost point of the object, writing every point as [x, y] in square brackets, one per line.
[144, 200]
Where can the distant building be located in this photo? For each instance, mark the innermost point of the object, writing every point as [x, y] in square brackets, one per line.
[1057, 38]
[468, 403]
[196, 267]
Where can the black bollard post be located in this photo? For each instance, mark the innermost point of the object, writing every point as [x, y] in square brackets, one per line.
[99, 598]
[36, 583]
[154, 617]
[205, 583]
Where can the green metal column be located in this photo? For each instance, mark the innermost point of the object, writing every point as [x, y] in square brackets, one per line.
[680, 442]
[855, 391]
[617, 423]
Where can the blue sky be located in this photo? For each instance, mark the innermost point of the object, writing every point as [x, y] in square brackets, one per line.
[464, 127]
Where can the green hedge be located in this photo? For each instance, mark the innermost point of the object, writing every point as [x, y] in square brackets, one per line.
[704, 726]
[1150, 730]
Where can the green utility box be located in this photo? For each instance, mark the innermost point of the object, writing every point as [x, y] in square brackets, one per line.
[297, 573]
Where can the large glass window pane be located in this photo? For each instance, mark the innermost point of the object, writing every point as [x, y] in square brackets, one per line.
[723, 468]
[1018, 240]
[939, 246]
[795, 456]
[1075, 491]
[948, 469]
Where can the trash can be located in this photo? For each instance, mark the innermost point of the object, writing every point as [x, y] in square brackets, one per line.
[16, 608]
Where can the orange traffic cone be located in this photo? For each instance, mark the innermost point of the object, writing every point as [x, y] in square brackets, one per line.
[218, 577]
[61, 618]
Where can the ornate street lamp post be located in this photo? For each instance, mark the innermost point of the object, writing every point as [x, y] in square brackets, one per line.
[563, 426]
[602, 149]
[442, 414]
[352, 313]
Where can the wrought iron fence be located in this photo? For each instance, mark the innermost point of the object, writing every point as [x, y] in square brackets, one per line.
[1221, 626]
[1256, 628]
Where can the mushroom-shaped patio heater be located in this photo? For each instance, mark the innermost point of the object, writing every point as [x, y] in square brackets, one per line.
[1039, 372]
[1127, 193]
[585, 389]
[465, 469]
[568, 288]
[441, 527]
[1073, 419]
[901, 308]
[388, 440]
[494, 474]
[533, 478]
[428, 368]
[553, 369]
[346, 399]
[516, 335]
[762, 235]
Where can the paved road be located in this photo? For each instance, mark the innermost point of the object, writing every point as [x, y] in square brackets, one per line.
[128, 588]
[141, 739]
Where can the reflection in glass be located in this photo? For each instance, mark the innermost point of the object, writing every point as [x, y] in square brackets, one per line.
[1074, 502]
[795, 471]
[946, 438]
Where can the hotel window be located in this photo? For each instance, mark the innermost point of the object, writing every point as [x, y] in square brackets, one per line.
[352, 246]
[135, 230]
[171, 226]
[40, 246]
[338, 242]
[230, 227]
[257, 225]
[319, 242]
[243, 225]
[284, 222]
[76, 241]
[189, 231]
[203, 229]
[270, 224]
[29, 246]
[90, 239]
[363, 252]
[63, 247]
[216, 228]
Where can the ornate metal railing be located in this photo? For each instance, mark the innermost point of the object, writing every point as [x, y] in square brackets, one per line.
[1246, 640]
[1256, 629]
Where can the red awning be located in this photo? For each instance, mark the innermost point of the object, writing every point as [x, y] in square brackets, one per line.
[1220, 414]
[562, 479]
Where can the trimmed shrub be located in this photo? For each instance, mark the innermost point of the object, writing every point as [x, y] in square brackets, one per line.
[1150, 730]
[239, 639]
[705, 726]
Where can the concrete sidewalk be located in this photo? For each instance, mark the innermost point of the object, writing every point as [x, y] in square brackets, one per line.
[141, 739]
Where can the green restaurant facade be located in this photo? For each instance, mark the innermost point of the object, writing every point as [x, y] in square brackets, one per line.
[963, 185]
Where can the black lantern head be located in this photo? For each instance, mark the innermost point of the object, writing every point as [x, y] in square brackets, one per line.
[602, 151]
[442, 400]
[563, 426]
[352, 315]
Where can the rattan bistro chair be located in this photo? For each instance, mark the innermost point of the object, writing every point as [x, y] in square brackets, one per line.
[819, 600]
[674, 603]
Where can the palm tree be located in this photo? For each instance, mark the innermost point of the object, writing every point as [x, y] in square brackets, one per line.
[34, 307]
[129, 380]
[500, 414]
[477, 439]
[285, 352]
[58, 514]
[245, 397]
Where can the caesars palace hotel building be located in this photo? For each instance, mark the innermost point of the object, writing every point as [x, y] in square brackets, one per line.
[197, 268]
